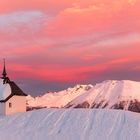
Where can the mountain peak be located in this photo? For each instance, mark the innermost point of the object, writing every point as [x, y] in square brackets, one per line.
[124, 94]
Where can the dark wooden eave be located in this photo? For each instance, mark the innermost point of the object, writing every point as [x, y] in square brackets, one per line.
[15, 90]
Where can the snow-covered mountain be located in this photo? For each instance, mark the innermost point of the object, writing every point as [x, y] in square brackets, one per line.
[57, 99]
[108, 94]
[71, 124]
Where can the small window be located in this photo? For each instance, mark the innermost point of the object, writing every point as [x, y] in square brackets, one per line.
[10, 105]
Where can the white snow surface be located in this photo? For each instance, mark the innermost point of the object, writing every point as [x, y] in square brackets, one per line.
[71, 124]
[110, 92]
[5, 90]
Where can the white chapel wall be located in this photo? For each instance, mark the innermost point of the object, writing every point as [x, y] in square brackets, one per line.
[2, 108]
[16, 104]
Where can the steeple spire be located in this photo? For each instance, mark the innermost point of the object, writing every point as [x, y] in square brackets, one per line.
[4, 74]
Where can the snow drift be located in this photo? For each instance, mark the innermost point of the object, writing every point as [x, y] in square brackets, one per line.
[71, 124]
[108, 94]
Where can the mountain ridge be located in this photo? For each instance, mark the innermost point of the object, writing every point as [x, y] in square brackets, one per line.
[110, 94]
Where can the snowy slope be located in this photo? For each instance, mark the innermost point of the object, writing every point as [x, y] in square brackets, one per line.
[71, 124]
[108, 94]
[57, 99]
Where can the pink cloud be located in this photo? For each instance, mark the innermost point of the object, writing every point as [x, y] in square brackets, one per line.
[79, 37]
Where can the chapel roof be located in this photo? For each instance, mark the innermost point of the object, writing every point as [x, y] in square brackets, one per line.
[8, 88]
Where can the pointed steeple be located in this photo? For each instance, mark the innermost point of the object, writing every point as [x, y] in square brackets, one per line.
[4, 74]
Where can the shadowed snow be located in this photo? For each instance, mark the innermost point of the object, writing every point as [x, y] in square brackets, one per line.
[71, 124]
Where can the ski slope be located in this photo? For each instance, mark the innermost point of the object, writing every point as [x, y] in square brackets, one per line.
[71, 124]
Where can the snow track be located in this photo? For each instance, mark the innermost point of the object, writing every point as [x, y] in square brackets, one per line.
[71, 124]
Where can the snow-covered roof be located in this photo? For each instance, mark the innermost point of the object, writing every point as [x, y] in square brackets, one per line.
[5, 90]
[9, 89]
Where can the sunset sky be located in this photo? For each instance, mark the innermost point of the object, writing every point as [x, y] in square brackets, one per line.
[54, 44]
